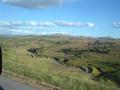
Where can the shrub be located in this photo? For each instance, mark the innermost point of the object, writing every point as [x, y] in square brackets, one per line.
[95, 72]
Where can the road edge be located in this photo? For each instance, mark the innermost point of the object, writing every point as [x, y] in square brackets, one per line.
[29, 81]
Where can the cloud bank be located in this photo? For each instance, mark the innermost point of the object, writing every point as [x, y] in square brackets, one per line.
[32, 4]
[37, 27]
[15, 24]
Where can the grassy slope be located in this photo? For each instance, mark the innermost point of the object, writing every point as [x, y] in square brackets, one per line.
[45, 69]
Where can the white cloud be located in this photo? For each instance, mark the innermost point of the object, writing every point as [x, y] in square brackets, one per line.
[16, 24]
[116, 24]
[31, 4]
[38, 24]
[4, 23]
[90, 24]
[68, 24]
[75, 24]
[14, 30]
[20, 31]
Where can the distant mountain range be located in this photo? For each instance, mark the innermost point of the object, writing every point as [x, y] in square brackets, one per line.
[63, 35]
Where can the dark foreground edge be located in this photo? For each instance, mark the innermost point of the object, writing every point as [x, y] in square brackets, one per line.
[0, 60]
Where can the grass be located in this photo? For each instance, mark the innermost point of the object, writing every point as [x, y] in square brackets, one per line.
[46, 70]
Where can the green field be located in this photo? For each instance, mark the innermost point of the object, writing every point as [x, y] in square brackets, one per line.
[67, 62]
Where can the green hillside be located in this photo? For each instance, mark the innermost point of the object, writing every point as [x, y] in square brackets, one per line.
[67, 62]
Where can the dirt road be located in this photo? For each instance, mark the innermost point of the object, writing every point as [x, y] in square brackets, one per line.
[8, 84]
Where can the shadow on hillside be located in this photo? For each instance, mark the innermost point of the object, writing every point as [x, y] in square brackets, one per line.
[113, 75]
[1, 88]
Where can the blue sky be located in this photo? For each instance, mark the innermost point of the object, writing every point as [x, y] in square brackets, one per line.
[96, 18]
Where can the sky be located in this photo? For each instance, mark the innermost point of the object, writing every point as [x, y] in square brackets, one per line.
[95, 18]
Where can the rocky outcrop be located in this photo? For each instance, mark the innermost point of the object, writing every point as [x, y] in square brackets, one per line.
[86, 69]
